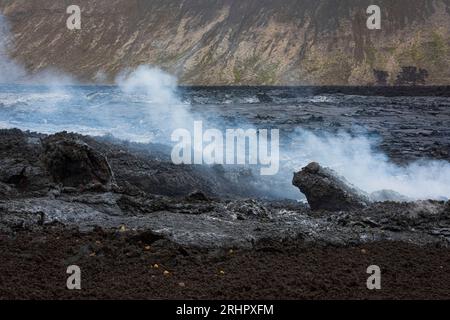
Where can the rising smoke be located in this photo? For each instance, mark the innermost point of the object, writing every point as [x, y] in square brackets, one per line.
[12, 72]
[357, 159]
[165, 111]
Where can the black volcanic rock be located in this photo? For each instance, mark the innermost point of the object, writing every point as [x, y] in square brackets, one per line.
[74, 163]
[264, 97]
[325, 190]
[446, 210]
[20, 167]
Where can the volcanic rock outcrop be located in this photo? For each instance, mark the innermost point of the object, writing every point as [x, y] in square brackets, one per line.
[74, 163]
[325, 190]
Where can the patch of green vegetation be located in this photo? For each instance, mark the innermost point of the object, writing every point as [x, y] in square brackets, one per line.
[207, 58]
[426, 53]
[267, 75]
[255, 70]
[391, 50]
[417, 53]
[237, 73]
[252, 61]
[371, 55]
[437, 48]
[333, 68]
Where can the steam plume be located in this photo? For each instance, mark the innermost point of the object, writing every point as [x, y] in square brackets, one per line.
[356, 158]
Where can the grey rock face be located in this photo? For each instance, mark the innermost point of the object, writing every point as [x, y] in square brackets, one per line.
[325, 190]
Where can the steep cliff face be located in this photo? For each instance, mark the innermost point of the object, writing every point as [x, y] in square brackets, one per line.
[236, 42]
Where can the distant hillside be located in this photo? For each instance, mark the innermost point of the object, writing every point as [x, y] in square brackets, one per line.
[236, 42]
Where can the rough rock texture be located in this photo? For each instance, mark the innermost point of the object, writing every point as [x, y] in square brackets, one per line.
[208, 218]
[238, 42]
[32, 162]
[73, 163]
[325, 190]
[20, 166]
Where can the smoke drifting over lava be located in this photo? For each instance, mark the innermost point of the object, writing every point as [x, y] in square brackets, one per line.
[358, 160]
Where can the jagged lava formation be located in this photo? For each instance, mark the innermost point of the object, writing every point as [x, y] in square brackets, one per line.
[114, 186]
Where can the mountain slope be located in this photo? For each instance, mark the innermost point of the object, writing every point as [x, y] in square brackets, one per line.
[213, 42]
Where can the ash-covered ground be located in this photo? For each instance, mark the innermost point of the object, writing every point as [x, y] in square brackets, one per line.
[374, 170]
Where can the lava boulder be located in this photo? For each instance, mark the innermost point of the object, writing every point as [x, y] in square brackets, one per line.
[325, 190]
[73, 163]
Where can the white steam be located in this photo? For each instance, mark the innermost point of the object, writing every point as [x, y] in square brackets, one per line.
[356, 159]
[12, 72]
[165, 111]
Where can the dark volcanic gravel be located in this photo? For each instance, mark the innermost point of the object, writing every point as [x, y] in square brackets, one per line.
[121, 265]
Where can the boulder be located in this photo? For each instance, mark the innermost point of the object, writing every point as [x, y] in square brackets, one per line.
[325, 190]
[73, 163]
